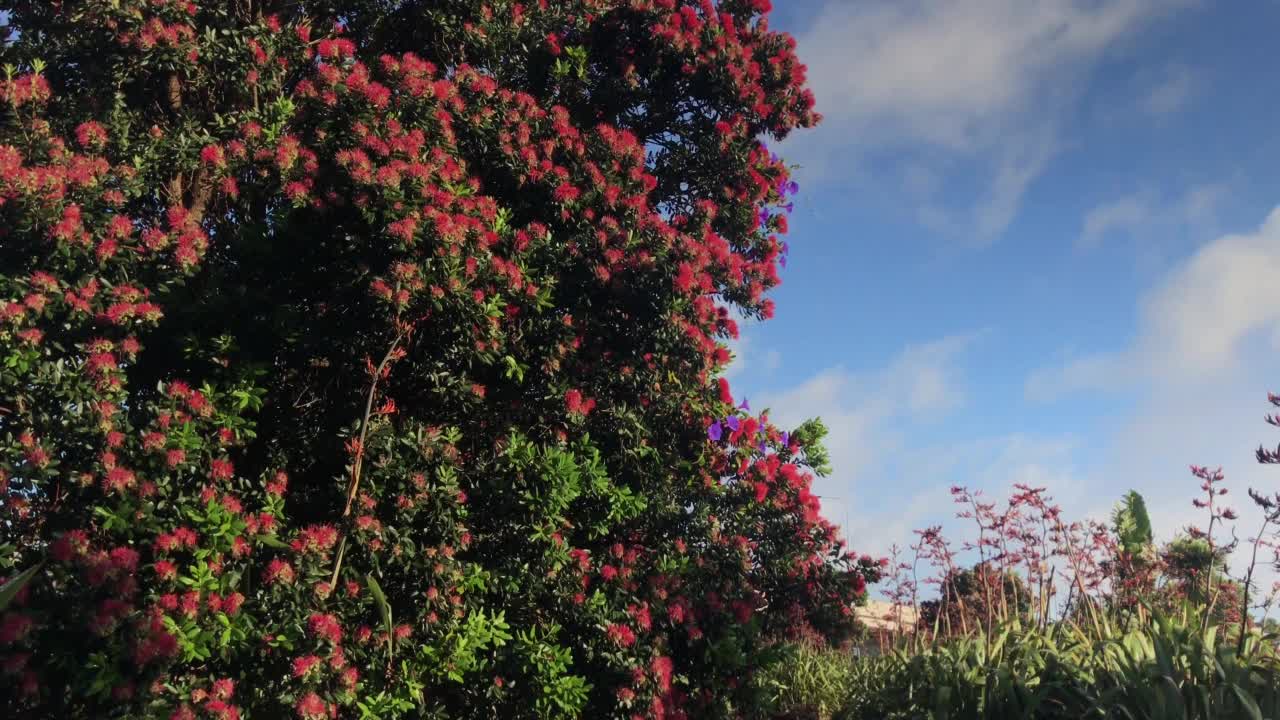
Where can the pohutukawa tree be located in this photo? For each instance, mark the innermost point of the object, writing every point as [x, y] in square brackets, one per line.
[361, 359]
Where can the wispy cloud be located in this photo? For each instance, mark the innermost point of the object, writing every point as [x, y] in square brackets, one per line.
[986, 81]
[1172, 91]
[1144, 213]
[1123, 215]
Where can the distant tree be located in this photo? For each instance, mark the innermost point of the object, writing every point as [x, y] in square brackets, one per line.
[1132, 525]
[1134, 568]
[1185, 559]
[963, 597]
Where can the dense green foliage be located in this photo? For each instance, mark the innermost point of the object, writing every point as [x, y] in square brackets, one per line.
[1167, 668]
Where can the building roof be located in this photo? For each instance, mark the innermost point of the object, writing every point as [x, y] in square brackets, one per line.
[884, 616]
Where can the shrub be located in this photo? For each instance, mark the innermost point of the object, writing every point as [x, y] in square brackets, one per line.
[811, 682]
[361, 359]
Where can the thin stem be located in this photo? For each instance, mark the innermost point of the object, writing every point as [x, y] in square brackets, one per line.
[1248, 579]
[354, 485]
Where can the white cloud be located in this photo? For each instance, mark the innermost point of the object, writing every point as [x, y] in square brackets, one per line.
[1145, 214]
[1196, 320]
[1123, 215]
[1200, 367]
[868, 415]
[943, 71]
[985, 80]
[1022, 157]
[920, 380]
[852, 421]
[1172, 92]
[1193, 324]
[1201, 364]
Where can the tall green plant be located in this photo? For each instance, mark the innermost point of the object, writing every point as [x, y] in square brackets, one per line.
[1131, 524]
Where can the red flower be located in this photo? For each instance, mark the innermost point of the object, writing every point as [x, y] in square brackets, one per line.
[213, 155]
[566, 193]
[662, 668]
[312, 707]
[575, 405]
[316, 539]
[221, 469]
[303, 665]
[326, 627]
[278, 484]
[621, 635]
[279, 571]
[190, 604]
[762, 492]
[91, 135]
[224, 688]
[573, 401]
[166, 570]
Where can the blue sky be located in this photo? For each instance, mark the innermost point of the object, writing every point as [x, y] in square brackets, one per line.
[1031, 244]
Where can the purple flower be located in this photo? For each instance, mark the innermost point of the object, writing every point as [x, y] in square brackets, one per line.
[785, 247]
[786, 439]
[715, 432]
[789, 207]
[733, 423]
[793, 187]
[764, 217]
[745, 405]
[762, 446]
[783, 261]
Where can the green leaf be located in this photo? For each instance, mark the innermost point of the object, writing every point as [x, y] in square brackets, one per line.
[15, 584]
[272, 541]
[1250, 705]
[385, 609]
[1131, 522]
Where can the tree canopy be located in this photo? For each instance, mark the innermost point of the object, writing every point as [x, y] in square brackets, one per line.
[362, 358]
